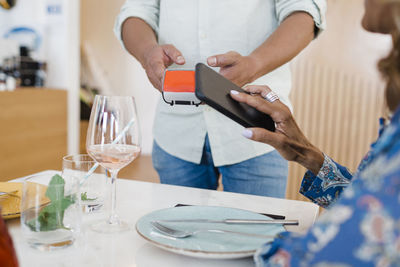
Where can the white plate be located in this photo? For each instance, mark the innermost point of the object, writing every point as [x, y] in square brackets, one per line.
[205, 244]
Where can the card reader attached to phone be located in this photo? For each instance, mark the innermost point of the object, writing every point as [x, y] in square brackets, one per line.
[179, 87]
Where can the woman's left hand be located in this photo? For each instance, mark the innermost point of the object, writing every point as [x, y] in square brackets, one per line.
[287, 139]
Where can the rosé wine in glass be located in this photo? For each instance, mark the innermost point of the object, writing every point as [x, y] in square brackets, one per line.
[114, 157]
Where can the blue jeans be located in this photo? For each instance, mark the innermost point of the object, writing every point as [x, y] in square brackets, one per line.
[264, 175]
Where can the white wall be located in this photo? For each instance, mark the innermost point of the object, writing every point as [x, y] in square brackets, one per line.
[345, 45]
[123, 74]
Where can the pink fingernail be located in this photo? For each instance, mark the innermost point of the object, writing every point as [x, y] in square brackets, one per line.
[247, 133]
[234, 92]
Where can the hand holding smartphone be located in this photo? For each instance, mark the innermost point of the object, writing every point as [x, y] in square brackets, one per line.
[214, 90]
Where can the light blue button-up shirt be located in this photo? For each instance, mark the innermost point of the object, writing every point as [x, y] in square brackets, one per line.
[202, 28]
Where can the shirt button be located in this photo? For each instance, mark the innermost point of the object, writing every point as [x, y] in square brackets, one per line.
[203, 35]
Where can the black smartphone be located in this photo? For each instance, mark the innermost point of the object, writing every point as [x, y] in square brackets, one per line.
[214, 90]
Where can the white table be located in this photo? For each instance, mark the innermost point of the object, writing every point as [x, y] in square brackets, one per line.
[136, 199]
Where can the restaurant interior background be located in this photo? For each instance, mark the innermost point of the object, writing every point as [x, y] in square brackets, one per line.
[73, 52]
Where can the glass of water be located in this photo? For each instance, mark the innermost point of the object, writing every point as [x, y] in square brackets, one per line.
[92, 185]
[50, 211]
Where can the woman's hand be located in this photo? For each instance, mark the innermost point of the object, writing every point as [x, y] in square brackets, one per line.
[287, 139]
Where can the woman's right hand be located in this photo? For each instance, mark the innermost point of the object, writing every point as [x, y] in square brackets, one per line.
[287, 139]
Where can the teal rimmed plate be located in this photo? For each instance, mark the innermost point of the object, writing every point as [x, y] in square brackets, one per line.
[205, 244]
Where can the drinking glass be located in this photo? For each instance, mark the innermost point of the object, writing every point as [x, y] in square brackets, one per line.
[113, 140]
[50, 211]
[92, 184]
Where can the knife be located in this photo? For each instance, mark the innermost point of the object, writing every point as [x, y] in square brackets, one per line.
[273, 216]
[234, 221]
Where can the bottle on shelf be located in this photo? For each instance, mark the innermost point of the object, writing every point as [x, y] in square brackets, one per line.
[40, 76]
[31, 72]
[11, 83]
[3, 77]
[16, 71]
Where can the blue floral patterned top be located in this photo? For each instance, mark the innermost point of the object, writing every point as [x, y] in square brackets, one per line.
[362, 227]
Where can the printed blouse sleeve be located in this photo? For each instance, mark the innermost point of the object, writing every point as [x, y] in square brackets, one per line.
[325, 187]
[316, 9]
[361, 229]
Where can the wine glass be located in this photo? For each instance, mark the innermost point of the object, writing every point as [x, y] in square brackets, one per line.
[113, 140]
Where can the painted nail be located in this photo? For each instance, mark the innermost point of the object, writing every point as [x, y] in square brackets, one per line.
[247, 133]
[212, 61]
[180, 59]
[234, 92]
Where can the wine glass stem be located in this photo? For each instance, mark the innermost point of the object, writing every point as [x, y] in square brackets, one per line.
[113, 219]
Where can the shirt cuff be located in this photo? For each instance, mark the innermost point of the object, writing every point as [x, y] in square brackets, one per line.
[316, 9]
[325, 187]
[263, 255]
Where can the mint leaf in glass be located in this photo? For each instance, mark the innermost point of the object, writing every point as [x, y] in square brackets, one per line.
[84, 197]
[51, 216]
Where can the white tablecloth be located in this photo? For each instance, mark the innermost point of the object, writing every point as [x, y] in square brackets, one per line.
[136, 199]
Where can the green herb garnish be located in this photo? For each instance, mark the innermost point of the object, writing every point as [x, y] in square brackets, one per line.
[84, 197]
[51, 216]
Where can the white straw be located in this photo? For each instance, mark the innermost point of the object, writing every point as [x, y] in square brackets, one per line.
[121, 134]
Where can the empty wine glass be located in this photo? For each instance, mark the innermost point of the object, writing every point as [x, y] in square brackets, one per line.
[113, 140]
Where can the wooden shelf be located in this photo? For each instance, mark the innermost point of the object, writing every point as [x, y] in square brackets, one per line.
[33, 134]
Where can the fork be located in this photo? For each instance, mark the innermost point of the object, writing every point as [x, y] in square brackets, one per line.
[168, 231]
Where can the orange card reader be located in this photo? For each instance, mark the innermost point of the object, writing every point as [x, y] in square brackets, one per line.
[179, 87]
